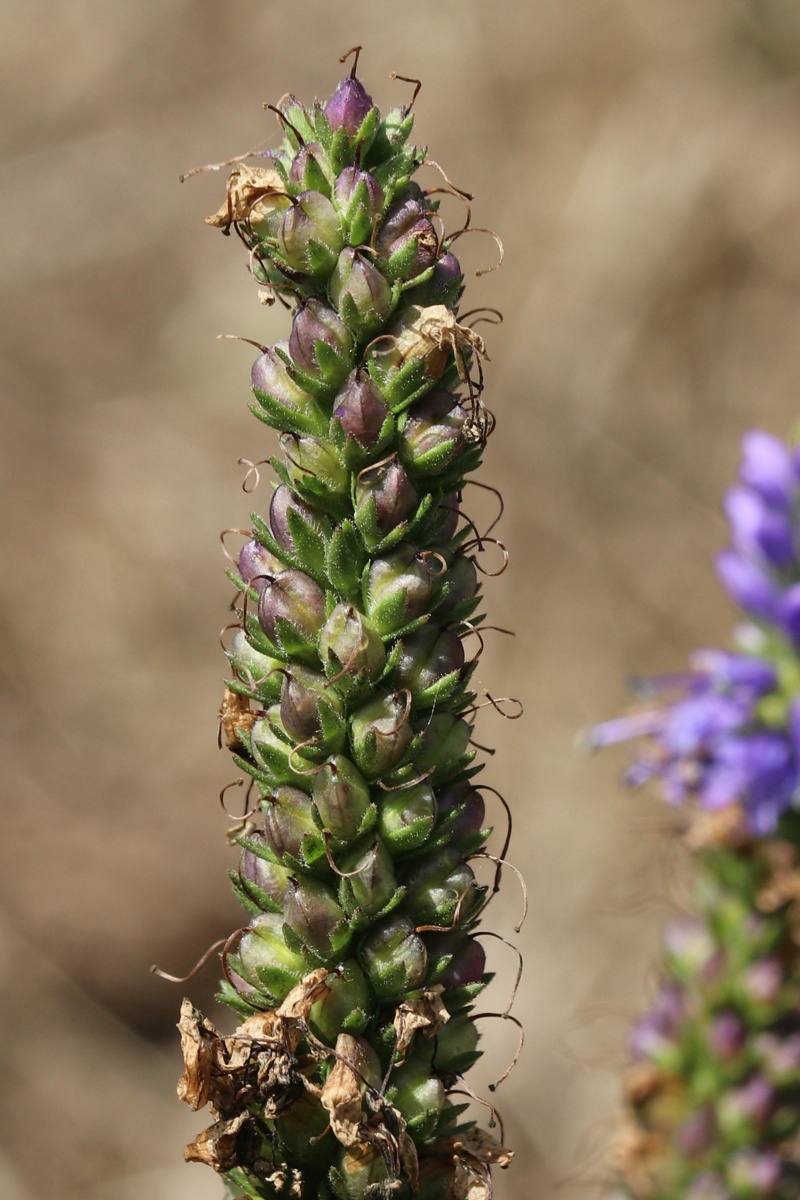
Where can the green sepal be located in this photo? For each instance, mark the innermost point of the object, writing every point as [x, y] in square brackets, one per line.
[259, 849]
[397, 266]
[360, 223]
[253, 904]
[356, 1021]
[228, 995]
[278, 980]
[362, 920]
[258, 773]
[278, 416]
[261, 642]
[294, 645]
[333, 366]
[438, 694]
[401, 386]
[457, 999]
[274, 756]
[392, 658]
[309, 541]
[339, 945]
[344, 558]
[333, 728]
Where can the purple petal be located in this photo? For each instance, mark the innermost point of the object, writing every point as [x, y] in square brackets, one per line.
[758, 530]
[748, 586]
[767, 467]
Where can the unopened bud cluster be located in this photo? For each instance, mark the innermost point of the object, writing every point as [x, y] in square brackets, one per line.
[713, 1089]
[349, 702]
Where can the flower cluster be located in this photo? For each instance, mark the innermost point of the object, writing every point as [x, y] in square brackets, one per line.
[349, 704]
[728, 730]
[713, 1089]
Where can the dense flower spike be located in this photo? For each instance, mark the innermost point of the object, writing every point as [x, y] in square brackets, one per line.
[713, 1090]
[349, 706]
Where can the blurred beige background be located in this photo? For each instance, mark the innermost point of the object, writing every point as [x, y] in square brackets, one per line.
[641, 159]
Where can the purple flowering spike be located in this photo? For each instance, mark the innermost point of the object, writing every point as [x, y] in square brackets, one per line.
[758, 530]
[348, 106]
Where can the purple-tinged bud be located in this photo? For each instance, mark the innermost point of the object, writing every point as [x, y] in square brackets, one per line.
[283, 502]
[440, 888]
[351, 650]
[310, 237]
[313, 917]
[697, 1133]
[394, 958]
[428, 656]
[444, 285]
[369, 882]
[407, 241]
[762, 981]
[309, 169]
[385, 498]
[463, 960]
[360, 293]
[691, 950]
[433, 434]
[448, 516]
[726, 1036]
[304, 697]
[708, 1185]
[265, 958]
[288, 820]
[255, 563]
[347, 994]
[444, 748]
[654, 1034]
[273, 750]
[320, 343]
[399, 588]
[256, 670]
[464, 806]
[407, 816]
[754, 1173]
[458, 586]
[381, 733]
[744, 1111]
[360, 420]
[359, 198]
[268, 877]
[341, 798]
[348, 107]
[291, 611]
[275, 389]
[419, 1095]
[779, 1057]
[316, 470]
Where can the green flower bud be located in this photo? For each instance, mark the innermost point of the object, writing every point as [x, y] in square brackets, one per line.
[406, 817]
[288, 821]
[310, 235]
[385, 499]
[351, 651]
[380, 733]
[419, 1096]
[314, 919]
[310, 169]
[310, 709]
[262, 879]
[341, 798]
[399, 588]
[291, 611]
[258, 671]
[266, 960]
[429, 656]
[440, 889]
[282, 402]
[369, 881]
[432, 435]
[317, 472]
[394, 958]
[320, 343]
[360, 293]
[444, 748]
[347, 1004]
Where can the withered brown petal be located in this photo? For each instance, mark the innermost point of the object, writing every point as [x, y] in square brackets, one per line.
[198, 1044]
[426, 1014]
[216, 1146]
[246, 186]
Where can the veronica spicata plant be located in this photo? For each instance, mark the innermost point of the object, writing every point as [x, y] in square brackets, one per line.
[713, 1088]
[349, 706]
